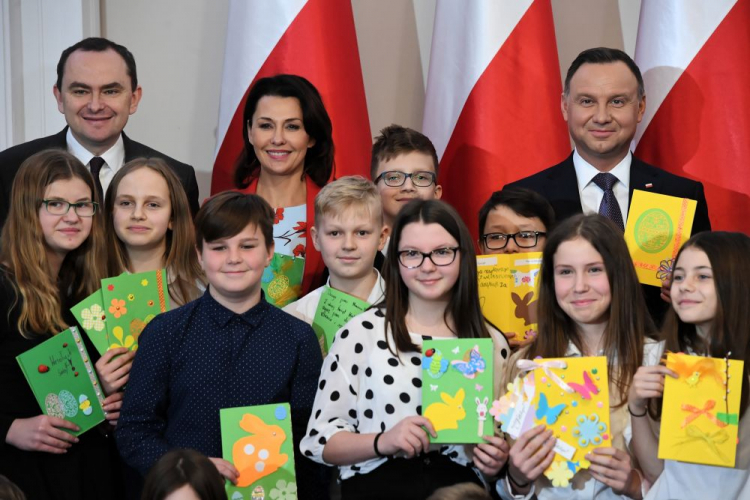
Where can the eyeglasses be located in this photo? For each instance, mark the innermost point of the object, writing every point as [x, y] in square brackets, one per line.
[394, 178]
[60, 207]
[412, 259]
[524, 239]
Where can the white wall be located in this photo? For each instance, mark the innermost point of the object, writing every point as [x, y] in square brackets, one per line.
[179, 45]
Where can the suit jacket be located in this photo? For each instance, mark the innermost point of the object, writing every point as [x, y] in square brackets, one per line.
[12, 158]
[559, 186]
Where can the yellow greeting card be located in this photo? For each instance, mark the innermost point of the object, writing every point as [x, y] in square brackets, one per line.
[700, 412]
[508, 291]
[569, 396]
[657, 227]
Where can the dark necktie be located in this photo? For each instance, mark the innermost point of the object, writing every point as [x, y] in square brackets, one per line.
[609, 207]
[96, 164]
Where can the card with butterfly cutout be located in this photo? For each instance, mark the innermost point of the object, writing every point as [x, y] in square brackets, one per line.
[457, 388]
[570, 396]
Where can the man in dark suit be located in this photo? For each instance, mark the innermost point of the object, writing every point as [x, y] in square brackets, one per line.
[603, 101]
[97, 90]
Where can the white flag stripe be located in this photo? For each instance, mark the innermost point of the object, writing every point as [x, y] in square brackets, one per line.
[254, 29]
[479, 28]
[670, 34]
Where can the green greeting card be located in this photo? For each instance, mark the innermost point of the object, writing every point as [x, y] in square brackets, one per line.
[282, 279]
[334, 310]
[63, 380]
[90, 315]
[258, 441]
[130, 302]
[457, 387]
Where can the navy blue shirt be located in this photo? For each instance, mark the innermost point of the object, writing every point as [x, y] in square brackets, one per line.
[202, 357]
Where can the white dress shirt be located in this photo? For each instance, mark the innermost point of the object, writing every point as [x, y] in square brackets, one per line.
[591, 194]
[113, 158]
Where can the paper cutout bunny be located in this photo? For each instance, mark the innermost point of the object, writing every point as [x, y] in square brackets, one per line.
[447, 414]
[525, 308]
[258, 455]
[481, 414]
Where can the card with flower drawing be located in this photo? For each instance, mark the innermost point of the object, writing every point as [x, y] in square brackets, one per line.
[91, 316]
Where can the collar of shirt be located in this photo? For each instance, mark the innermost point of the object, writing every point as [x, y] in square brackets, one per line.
[585, 171]
[113, 157]
[591, 195]
[378, 290]
[222, 316]
[574, 352]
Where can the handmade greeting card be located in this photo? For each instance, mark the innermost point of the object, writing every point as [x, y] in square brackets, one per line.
[282, 279]
[91, 316]
[457, 388]
[569, 396]
[63, 380]
[657, 227]
[334, 310]
[130, 302]
[700, 411]
[258, 441]
[508, 291]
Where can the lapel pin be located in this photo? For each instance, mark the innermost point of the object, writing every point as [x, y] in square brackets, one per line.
[649, 185]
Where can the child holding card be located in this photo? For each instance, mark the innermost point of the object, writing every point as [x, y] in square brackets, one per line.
[348, 232]
[51, 249]
[149, 227]
[227, 349]
[583, 313]
[369, 402]
[709, 317]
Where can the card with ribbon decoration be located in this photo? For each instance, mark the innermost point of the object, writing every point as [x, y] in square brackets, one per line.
[457, 388]
[570, 396]
[700, 410]
[657, 227]
[131, 301]
[257, 440]
[334, 310]
[508, 292]
[64, 381]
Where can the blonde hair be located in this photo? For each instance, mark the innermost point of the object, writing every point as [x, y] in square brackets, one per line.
[180, 258]
[352, 191]
[23, 246]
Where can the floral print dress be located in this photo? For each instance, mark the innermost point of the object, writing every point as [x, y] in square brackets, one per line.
[282, 279]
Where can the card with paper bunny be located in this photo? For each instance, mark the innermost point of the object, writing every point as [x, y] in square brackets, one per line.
[700, 411]
[258, 441]
[569, 396]
[457, 388]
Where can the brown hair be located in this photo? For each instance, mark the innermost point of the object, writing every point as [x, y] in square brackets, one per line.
[728, 254]
[23, 246]
[179, 257]
[227, 214]
[396, 140]
[184, 467]
[628, 318]
[460, 491]
[464, 308]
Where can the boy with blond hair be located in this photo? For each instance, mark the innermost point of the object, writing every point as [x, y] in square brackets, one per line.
[348, 232]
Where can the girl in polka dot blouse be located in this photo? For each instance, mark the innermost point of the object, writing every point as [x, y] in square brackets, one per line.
[367, 412]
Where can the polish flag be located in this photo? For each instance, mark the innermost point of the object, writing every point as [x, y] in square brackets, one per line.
[493, 98]
[695, 60]
[311, 38]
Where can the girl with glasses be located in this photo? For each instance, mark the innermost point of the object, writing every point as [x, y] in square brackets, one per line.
[367, 411]
[50, 259]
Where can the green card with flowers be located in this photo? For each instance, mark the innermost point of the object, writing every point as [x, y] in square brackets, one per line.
[91, 316]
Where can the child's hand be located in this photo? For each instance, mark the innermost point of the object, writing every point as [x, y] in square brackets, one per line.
[613, 468]
[648, 382]
[531, 454]
[490, 457]
[407, 436]
[666, 289]
[226, 469]
[111, 405]
[113, 369]
[42, 433]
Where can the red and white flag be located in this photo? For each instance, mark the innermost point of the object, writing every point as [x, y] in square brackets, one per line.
[493, 97]
[311, 38]
[695, 60]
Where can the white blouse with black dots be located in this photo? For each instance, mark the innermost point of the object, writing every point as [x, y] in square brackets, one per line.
[364, 389]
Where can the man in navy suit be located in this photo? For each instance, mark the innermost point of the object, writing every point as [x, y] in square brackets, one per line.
[97, 90]
[603, 101]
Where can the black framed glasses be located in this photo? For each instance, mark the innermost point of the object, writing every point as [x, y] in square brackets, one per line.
[394, 178]
[412, 259]
[524, 239]
[61, 207]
